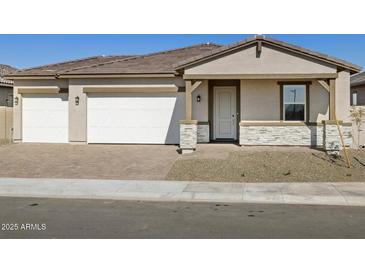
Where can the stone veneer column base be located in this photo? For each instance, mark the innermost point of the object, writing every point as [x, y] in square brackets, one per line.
[188, 136]
[331, 137]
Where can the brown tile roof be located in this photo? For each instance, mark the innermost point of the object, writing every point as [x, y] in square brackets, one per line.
[358, 79]
[6, 69]
[53, 69]
[159, 62]
[325, 58]
[166, 61]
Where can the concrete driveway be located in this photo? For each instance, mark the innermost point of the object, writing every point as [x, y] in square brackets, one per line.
[87, 161]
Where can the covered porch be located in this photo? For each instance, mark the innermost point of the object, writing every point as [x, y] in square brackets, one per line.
[265, 110]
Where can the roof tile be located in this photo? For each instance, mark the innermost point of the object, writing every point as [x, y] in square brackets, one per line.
[53, 69]
[159, 62]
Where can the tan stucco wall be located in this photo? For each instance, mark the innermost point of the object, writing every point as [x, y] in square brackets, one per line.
[271, 61]
[319, 103]
[78, 114]
[17, 109]
[342, 96]
[260, 101]
[200, 110]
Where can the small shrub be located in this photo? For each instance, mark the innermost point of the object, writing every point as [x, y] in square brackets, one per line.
[357, 115]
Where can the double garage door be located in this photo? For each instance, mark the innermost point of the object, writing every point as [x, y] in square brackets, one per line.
[145, 118]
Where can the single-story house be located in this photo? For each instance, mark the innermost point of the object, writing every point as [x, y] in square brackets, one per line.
[259, 91]
[357, 100]
[6, 103]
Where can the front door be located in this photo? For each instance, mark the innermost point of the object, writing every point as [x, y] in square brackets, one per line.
[225, 113]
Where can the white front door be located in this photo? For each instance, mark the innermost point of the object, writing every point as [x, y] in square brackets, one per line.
[225, 113]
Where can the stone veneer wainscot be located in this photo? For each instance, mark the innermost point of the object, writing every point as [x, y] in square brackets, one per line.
[331, 137]
[291, 134]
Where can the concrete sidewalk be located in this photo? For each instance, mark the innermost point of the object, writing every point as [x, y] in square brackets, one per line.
[283, 193]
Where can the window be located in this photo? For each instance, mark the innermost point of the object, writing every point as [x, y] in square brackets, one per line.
[294, 102]
[354, 98]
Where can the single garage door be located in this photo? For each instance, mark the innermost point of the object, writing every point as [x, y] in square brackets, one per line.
[45, 118]
[143, 118]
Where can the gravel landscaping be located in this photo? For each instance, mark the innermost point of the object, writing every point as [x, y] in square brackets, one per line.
[268, 165]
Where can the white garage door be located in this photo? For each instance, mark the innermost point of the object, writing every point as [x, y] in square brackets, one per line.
[135, 118]
[45, 118]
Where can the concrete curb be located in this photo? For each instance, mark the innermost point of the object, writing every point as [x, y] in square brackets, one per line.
[345, 194]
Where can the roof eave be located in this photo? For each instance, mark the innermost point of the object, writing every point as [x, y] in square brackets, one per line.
[118, 75]
[29, 77]
[91, 75]
[361, 83]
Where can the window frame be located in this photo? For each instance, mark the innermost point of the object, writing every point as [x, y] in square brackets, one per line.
[306, 100]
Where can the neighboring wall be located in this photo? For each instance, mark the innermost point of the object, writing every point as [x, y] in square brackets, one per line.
[260, 101]
[6, 114]
[6, 124]
[360, 90]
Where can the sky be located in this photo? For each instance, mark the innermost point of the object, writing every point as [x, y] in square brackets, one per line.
[22, 51]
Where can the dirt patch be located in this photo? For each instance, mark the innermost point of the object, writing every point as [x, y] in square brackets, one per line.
[271, 166]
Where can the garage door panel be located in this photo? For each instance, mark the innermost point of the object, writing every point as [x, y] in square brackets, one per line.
[130, 136]
[142, 118]
[45, 118]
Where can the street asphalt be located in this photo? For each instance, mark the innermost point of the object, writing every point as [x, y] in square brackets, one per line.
[78, 218]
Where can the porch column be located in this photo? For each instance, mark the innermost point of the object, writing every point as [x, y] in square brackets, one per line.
[332, 93]
[189, 127]
[331, 134]
[190, 87]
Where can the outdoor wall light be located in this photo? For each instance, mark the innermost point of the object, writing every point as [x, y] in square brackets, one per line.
[198, 98]
[16, 100]
[77, 100]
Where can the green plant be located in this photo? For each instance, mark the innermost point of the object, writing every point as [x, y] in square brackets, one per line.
[357, 115]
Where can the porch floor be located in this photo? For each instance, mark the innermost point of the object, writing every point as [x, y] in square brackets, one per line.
[232, 163]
